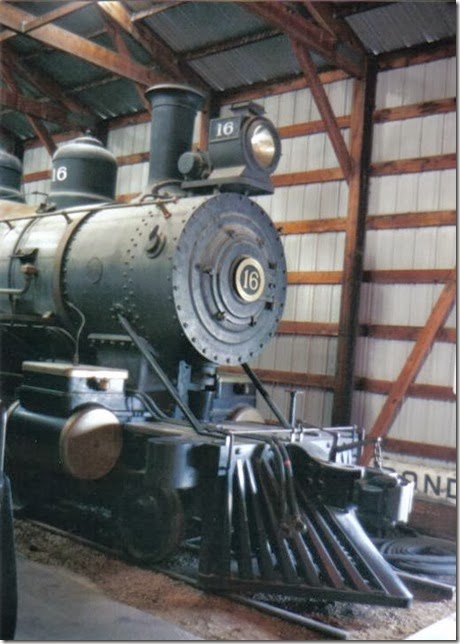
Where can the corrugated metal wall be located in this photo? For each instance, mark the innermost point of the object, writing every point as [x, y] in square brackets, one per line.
[36, 160]
[424, 421]
[311, 252]
[420, 420]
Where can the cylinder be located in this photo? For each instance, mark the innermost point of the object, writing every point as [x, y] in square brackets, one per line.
[174, 109]
[86, 445]
[10, 177]
[83, 172]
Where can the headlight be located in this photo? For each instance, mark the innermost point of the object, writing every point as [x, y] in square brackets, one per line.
[244, 149]
[264, 145]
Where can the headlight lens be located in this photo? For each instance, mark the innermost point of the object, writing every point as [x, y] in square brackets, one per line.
[263, 145]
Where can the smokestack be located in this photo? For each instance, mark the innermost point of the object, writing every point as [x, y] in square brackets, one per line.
[174, 109]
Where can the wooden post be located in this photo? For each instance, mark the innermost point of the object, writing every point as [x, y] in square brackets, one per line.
[360, 152]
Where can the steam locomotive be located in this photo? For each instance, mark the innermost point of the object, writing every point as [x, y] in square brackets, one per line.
[115, 319]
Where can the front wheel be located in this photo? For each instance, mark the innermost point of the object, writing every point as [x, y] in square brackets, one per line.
[151, 523]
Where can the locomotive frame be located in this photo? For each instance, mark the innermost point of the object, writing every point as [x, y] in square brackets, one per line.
[115, 346]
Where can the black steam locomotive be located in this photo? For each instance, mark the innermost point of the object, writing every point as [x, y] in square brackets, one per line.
[115, 319]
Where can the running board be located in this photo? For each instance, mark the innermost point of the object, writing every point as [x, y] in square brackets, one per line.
[290, 531]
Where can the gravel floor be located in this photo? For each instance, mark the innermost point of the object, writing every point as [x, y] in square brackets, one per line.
[212, 617]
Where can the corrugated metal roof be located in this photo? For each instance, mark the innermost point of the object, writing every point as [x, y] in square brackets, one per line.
[270, 59]
[404, 24]
[223, 42]
[111, 99]
[197, 24]
[17, 122]
[66, 70]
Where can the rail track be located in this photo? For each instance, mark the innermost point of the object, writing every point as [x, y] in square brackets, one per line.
[184, 567]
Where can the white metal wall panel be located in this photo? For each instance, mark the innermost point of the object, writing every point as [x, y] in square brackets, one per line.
[384, 359]
[299, 107]
[316, 303]
[36, 159]
[411, 248]
[35, 191]
[129, 140]
[310, 201]
[425, 421]
[132, 179]
[439, 367]
[310, 152]
[413, 192]
[448, 187]
[416, 137]
[313, 405]
[417, 83]
[314, 251]
[398, 304]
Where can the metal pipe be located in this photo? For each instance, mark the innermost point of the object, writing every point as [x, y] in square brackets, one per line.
[264, 393]
[445, 590]
[301, 620]
[17, 292]
[147, 352]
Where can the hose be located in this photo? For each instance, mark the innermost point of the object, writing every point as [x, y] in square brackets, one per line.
[422, 555]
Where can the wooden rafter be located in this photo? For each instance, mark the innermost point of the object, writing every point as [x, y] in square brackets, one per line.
[38, 109]
[360, 149]
[122, 48]
[324, 107]
[45, 85]
[294, 25]
[43, 135]
[158, 7]
[75, 45]
[39, 21]
[64, 10]
[160, 52]
[412, 365]
[6, 34]
[323, 14]
[11, 98]
[230, 43]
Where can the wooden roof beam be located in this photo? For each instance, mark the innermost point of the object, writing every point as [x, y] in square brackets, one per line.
[308, 34]
[323, 14]
[6, 34]
[64, 10]
[167, 59]
[12, 95]
[46, 86]
[38, 109]
[122, 48]
[38, 21]
[324, 107]
[229, 44]
[43, 134]
[70, 43]
[158, 7]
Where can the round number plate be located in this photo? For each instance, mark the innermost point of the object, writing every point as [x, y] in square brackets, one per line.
[249, 279]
